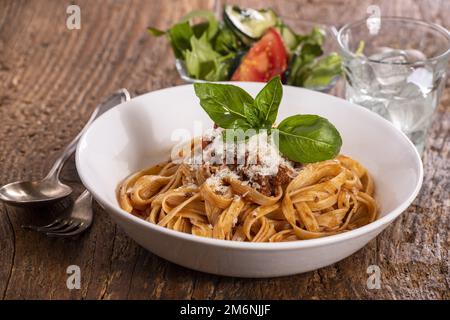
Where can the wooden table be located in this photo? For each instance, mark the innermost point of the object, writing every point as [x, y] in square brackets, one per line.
[51, 78]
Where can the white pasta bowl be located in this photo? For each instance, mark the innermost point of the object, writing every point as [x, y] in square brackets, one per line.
[139, 133]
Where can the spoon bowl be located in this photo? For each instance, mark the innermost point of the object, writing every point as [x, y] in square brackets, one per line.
[39, 192]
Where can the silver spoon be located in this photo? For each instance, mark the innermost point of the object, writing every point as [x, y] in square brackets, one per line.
[50, 189]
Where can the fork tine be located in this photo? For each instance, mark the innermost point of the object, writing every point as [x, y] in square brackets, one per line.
[39, 227]
[71, 232]
[69, 227]
[62, 224]
[53, 225]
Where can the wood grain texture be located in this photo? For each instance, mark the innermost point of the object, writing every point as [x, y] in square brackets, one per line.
[50, 79]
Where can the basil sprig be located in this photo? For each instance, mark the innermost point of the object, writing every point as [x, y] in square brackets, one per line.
[303, 138]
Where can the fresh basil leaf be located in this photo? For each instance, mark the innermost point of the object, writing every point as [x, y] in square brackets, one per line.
[156, 32]
[322, 71]
[180, 38]
[308, 138]
[238, 131]
[252, 115]
[223, 103]
[242, 124]
[210, 28]
[268, 100]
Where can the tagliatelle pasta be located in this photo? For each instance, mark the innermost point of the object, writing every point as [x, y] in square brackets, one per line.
[320, 199]
[249, 179]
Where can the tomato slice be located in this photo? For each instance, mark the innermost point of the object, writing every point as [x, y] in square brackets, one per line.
[265, 59]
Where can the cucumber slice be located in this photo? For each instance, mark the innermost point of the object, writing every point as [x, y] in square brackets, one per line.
[290, 39]
[249, 22]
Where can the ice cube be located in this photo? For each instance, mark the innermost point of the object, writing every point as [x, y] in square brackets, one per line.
[410, 91]
[410, 114]
[391, 78]
[389, 55]
[422, 79]
[389, 71]
[415, 55]
[362, 76]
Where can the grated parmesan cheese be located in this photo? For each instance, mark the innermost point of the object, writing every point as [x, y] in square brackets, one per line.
[248, 160]
[216, 180]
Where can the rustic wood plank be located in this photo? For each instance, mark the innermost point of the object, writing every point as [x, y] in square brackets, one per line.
[50, 79]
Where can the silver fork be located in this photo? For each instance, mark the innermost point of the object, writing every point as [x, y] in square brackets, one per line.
[79, 219]
[81, 214]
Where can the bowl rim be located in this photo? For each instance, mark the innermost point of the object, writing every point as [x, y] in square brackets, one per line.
[260, 246]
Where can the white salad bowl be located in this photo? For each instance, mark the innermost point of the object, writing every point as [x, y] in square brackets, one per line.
[141, 132]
